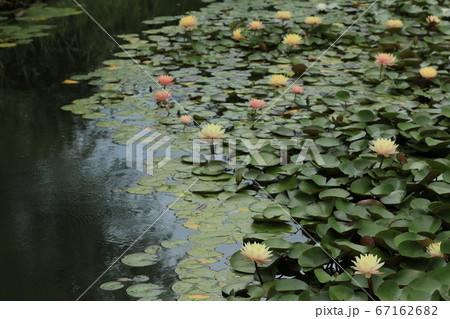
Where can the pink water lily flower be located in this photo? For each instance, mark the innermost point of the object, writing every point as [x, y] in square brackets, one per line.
[162, 95]
[256, 104]
[297, 89]
[385, 59]
[165, 80]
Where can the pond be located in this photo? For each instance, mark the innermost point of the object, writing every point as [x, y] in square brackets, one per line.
[319, 140]
[65, 216]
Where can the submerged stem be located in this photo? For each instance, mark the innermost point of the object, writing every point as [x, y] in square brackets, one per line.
[259, 274]
[381, 162]
[369, 280]
[211, 147]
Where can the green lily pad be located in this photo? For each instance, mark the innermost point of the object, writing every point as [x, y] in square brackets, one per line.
[112, 285]
[173, 243]
[144, 290]
[139, 260]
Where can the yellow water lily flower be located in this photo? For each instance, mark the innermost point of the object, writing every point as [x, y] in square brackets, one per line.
[278, 80]
[313, 20]
[283, 15]
[434, 250]
[256, 25]
[186, 119]
[433, 20]
[367, 265]
[428, 72]
[188, 23]
[384, 146]
[212, 132]
[292, 39]
[258, 253]
[394, 24]
[237, 35]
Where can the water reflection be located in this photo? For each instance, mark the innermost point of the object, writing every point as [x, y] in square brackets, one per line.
[64, 214]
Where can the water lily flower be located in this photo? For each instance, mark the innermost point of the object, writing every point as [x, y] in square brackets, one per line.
[434, 250]
[313, 20]
[296, 89]
[162, 95]
[433, 20]
[278, 80]
[385, 59]
[237, 35]
[257, 253]
[256, 104]
[211, 132]
[188, 23]
[367, 265]
[186, 119]
[256, 25]
[321, 7]
[165, 80]
[384, 146]
[428, 72]
[395, 24]
[292, 40]
[283, 15]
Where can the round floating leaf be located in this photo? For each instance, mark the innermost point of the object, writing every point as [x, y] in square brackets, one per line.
[334, 193]
[141, 278]
[140, 190]
[327, 141]
[440, 188]
[411, 249]
[139, 260]
[183, 287]
[274, 212]
[277, 244]
[290, 285]
[425, 224]
[395, 197]
[112, 285]
[239, 264]
[445, 247]
[264, 159]
[405, 276]
[206, 189]
[388, 291]
[343, 95]
[341, 293]
[365, 116]
[322, 276]
[144, 290]
[174, 243]
[361, 186]
[152, 249]
[313, 257]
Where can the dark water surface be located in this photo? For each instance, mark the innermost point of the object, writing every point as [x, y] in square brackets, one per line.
[64, 214]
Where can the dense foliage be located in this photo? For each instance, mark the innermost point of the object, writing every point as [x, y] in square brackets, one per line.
[322, 208]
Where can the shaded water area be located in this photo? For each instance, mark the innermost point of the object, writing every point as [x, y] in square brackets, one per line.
[65, 215]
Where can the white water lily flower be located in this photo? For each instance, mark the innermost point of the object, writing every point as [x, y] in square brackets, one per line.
[321, 7]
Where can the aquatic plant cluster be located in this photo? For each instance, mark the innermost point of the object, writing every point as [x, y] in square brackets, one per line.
[367, 219]
[22, 25]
